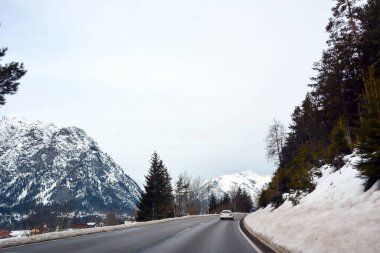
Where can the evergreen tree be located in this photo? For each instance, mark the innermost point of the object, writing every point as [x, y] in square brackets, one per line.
[370, 42]
[226, 200]
[246, 204]
[10, 73]
[236, 201]
[165, 193]
[369, 134]
[342, 110]
[338, 146]
[157, 200]
[212, 203]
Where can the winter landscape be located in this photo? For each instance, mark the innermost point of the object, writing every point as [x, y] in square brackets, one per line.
[205, 126]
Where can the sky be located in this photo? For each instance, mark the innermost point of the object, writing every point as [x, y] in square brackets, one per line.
[197, 81]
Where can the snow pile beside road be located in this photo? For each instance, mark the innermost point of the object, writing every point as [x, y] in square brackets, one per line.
[338, 216]
[19, 233]
[65, 234]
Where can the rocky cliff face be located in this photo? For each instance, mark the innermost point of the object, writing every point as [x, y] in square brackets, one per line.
[43, 163]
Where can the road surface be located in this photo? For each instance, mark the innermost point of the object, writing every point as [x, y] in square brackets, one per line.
[200, 234]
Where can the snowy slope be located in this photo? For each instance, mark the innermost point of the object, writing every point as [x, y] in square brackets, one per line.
[47, 164]
[247, 180]
[338, 216]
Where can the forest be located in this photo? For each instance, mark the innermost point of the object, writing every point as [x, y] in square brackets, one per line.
[340, 114]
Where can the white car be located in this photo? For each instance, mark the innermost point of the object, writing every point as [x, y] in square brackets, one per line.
[226, 214]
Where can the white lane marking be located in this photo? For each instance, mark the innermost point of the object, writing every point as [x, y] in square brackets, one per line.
[249, 240]
[180, 232]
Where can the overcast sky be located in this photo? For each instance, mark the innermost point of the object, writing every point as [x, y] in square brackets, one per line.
[198, 81]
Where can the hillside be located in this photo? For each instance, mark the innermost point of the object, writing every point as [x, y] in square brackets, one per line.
[338, 216]
[341, 111]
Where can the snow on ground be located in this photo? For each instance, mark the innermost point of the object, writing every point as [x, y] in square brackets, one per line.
[338, 216]
[19, 233]
[16, 241]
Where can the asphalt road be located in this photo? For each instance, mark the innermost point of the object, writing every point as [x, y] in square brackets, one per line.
[200, 234]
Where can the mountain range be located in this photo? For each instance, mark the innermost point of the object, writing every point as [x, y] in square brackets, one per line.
[248, 180]
[49, 165]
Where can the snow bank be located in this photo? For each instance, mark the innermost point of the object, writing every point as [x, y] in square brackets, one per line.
[64, 234]
[19, 233]
[338, 216]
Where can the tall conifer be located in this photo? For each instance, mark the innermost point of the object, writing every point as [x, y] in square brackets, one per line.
[157, 200]
[10, 73]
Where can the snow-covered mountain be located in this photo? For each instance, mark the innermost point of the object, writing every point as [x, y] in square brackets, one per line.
[249, 181]
[43, 163]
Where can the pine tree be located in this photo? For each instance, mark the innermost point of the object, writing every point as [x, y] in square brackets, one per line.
[246, 204]
[264, 195]
[157, 200]
[236, 201]
[369, 134]
[226, 200]
[242, 202]
[212, 203]
[342, 68]
[370, 42]
[342, 110]
[10, 73]
[338, 146]
[165, 193]
[223, 203]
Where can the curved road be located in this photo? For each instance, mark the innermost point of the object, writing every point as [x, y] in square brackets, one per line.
[199, 234]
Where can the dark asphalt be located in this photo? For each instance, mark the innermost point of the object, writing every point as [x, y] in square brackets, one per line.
[200, 234]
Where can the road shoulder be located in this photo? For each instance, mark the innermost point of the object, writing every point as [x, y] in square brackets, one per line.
[264, 248]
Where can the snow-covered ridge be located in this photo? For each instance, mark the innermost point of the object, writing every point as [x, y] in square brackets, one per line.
[338, 216]
[248, 180]
[47, 164]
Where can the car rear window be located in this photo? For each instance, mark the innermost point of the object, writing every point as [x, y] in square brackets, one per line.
[226, 211]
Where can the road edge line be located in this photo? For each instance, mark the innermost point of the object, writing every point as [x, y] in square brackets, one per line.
[257, 244]
[258, 250]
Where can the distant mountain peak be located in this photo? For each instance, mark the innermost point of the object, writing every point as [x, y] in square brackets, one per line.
[248, 180]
